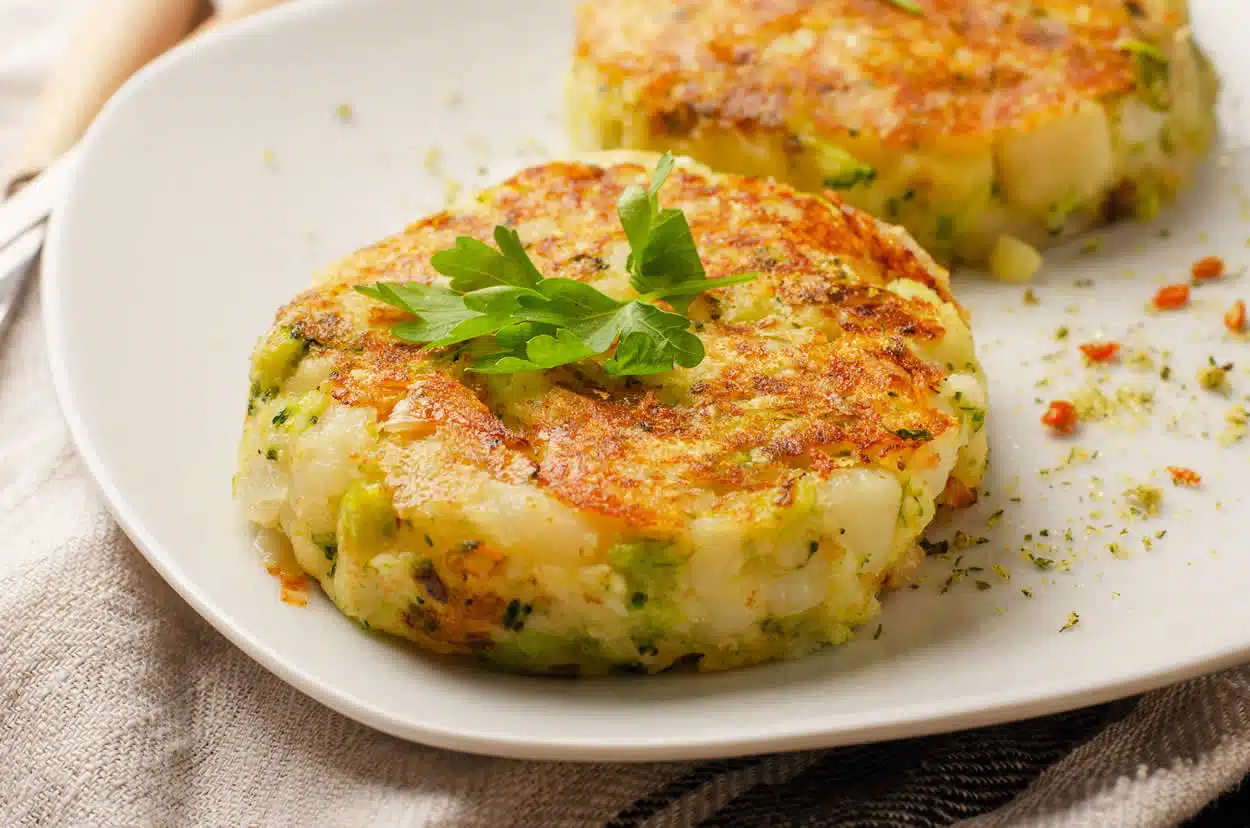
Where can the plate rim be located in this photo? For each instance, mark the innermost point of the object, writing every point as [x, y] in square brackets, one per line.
[906, 721]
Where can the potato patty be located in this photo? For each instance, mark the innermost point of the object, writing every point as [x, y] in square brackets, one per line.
[962, 120]
[750, 508]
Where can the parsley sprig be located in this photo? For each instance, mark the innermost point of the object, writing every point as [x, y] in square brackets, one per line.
[538, 323]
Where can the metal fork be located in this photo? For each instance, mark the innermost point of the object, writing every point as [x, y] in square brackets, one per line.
[22, 225]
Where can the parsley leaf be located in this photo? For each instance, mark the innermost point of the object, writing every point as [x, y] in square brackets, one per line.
[651, 341]
[442, 316]
[538, 323]
[538, 353]
[662, 249]
[473, 265]
[695, 287]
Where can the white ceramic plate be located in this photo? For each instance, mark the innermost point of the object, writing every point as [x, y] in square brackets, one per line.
[220, 179]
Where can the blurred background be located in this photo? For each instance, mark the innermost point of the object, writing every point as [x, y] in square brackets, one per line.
[35, 35]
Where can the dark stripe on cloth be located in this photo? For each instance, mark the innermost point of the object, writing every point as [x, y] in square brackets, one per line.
[698, 776]
[918, 783]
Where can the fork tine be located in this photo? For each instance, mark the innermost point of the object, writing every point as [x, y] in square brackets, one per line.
[33, 202]
[15, 265]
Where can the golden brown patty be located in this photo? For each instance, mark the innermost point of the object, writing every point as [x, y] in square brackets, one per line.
[636, 521]
[965, 120]
[852, 390]
[958, 73]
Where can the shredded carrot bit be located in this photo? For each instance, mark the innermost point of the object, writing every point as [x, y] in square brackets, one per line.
[1101, 351]
[1235, 317]
[1212, 267]
[294, 589]
[1061, 416]
[1172, 297]
[1182, 476]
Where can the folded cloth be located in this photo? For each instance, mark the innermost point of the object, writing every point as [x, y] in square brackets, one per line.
[120, 706]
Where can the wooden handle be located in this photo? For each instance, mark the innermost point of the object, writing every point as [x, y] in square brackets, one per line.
[115, 40]
[236, 11]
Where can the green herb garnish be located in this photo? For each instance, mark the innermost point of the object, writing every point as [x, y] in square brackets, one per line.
[514, 615]
[538, 323]
[851, 177]
[908, 6]
[913, 433]
[1152, 71]
[843, 171]
[1141, 47]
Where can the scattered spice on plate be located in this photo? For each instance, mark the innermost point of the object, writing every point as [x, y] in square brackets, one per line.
[1060, 416]
[1213, 376]
[1091, 245]
[963, 540]
[1211, 267]
[1041, 563]
[1073, 620]
[1235, 317]
[1101, 351]
[1237, 420]
[1171, 297]
[1182, 476]
[344, 112]
[1141, 361]
[1144, 499]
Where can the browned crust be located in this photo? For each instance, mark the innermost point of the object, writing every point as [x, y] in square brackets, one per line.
[960, 72]
[772, 397]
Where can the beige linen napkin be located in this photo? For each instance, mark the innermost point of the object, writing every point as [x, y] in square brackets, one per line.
[119, 706]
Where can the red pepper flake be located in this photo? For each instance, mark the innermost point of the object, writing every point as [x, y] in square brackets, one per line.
[294, 585]
[1212, 267]
[1171, 297]
[1101, 351]
[1182, 476]
[1235, 317]
[1061, 416]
